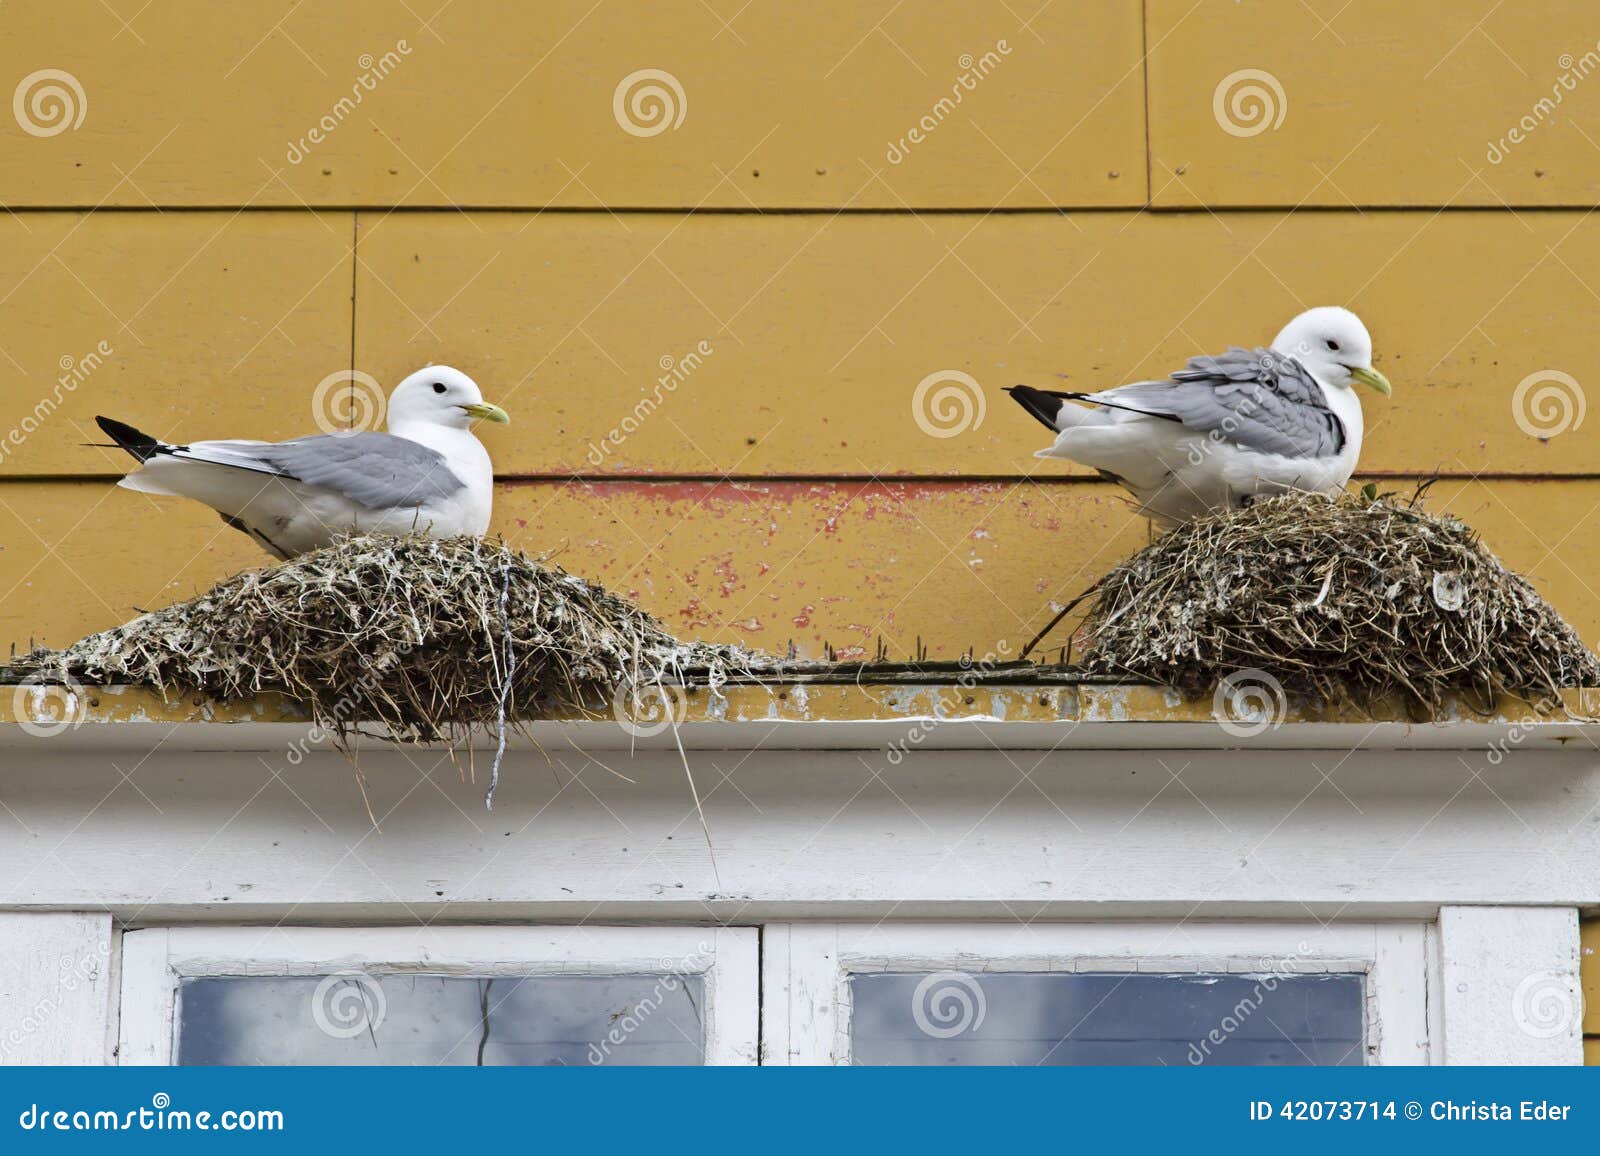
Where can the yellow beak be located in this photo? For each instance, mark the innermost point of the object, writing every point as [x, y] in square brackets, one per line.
[494, 413]
[1373, 378]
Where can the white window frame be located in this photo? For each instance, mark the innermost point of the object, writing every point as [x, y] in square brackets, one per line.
[155, 961]
[806, 968]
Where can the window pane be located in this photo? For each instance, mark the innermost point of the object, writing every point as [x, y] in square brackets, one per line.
[1068, 1019]
[430, 1019]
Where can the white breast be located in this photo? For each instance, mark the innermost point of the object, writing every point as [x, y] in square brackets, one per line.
[466, 511]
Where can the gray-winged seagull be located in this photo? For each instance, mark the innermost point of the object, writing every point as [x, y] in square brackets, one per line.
[427, 475]
[1226, 429]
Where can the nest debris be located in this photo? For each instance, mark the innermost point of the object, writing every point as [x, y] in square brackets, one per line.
[423, 636]
[1349, 600]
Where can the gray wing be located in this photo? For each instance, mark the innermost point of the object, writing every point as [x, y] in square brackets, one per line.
[377, 470]
[1254, 397]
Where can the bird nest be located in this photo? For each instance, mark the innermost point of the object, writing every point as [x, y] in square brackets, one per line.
[423, 636]
[1356, 599]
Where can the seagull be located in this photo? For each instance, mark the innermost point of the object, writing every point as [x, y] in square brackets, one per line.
[427, 475]
[1226, 429]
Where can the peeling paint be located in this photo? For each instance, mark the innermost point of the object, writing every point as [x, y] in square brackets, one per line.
[813, 702]
[717, 705]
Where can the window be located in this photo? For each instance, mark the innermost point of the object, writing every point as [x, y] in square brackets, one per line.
[1055, 1019]
[514, 1020]
[1201, 993]
[998, 993]
[493, 995]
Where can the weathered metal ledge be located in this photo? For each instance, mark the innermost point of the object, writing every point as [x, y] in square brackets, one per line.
[789, 713]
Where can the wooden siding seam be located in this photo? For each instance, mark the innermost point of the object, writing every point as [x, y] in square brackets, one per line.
[1207, 209]
[778, 477]
[1144, 71]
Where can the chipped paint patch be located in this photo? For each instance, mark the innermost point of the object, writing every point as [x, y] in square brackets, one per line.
[716, 705]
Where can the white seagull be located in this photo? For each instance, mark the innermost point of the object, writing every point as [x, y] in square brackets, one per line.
[427, 475]
[1225, 429]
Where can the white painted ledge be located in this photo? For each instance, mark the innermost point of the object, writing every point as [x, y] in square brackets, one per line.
[980, 834]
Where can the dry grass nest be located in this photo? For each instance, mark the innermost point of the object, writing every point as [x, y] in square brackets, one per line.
[421, 635]
[1349, 600]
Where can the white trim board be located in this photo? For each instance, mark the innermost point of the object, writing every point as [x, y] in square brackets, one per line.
[1509, 985]
[57, 979]
[803, 835]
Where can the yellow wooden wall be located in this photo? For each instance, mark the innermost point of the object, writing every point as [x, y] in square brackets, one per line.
[184, 256]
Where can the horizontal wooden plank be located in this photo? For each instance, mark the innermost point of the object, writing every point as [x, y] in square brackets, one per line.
[169, 322]
[492, 103]
[1002, 837]
[817, 331]
[820, 330]
[1328, 102]
[764, 562]
[956, 564]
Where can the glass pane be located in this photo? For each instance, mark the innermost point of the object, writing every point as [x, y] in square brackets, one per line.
[430, 1019]
[1069, 1019]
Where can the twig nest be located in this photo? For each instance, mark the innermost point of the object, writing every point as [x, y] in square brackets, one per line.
[1349, 599]
[412, 633]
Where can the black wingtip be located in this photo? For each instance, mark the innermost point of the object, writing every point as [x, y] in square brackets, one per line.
[1045, 407]
[140, 445]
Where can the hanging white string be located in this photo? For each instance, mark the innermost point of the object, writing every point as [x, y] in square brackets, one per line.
[505, 677]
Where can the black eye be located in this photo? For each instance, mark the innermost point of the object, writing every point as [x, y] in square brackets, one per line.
[438, 386]
[1333, 345]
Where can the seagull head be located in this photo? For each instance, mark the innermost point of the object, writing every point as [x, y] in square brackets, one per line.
[443, 396]
[1333, 344]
